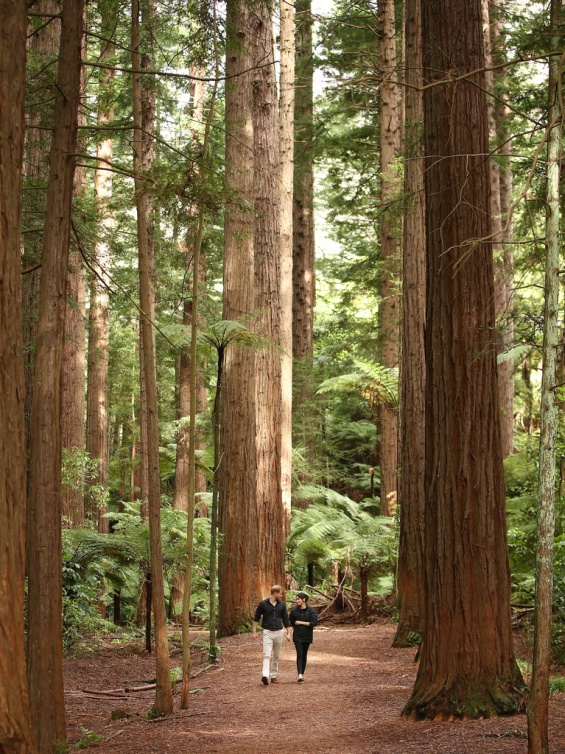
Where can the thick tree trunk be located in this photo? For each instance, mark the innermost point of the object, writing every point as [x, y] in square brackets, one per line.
[163, 693]
[238, 524]
[303, 236]
[389, 310]
[267, 560]
[410, 579]
[538, 703]
[74, 352]
[286, 160]
[45, 660]
[467, 666]
[15, 722]
[44, 47]
[98, 341]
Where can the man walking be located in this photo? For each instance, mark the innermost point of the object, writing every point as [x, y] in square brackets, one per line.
[273, 613]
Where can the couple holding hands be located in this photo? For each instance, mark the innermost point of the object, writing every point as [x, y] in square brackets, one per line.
[274, 619]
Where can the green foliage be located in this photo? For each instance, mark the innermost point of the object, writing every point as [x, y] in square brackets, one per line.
[557, 685]
[88, 738]
[95, 565]
[335, 530]
[79, 472]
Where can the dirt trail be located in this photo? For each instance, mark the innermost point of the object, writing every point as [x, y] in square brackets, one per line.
[355, 689]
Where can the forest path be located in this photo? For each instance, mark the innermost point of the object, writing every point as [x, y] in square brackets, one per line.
[355, 689]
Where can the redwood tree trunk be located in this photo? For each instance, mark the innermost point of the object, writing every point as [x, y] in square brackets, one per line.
[45, 660]
[163, 693]
[410, 578]
[44, 48]
[467, 665]
[15, 723]
[389, 310]
[98, 341]
[303, 237]
[267, 560]
[238, 524]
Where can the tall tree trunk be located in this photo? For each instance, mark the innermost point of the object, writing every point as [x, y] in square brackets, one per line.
[286, 161]
[467, 665]
[98, 341]
[303, 236]
[163, 693]
[538, 703]
[501, 300]
[74, 349]
[147, 159]
[410, 579]
[238, 523]
[15, 721]
[267, 560]
[44, 48]
[389, 313]
[45, 656]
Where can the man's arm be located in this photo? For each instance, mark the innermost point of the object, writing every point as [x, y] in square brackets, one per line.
[257, 618]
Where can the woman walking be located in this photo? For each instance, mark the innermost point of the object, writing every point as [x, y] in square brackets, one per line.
[303, 618]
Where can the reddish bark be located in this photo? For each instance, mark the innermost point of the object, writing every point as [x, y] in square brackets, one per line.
[15, 723]
[467, 666]
[238, 524]
[410, 576]
[45, 661]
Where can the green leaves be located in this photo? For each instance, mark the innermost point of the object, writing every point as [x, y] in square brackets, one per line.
[376, 383]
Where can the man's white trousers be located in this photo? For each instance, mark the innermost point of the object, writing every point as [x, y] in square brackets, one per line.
[272, 643]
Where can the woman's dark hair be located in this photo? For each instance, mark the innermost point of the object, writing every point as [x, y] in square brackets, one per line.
[303, 596]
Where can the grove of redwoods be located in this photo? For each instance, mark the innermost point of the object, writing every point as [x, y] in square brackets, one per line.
[196, 405]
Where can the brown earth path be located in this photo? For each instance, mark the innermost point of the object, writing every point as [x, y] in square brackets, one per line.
[356, 686]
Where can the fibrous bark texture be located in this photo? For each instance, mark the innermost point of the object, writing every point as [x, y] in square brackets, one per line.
[45, 661]
[267, 561]
[43, 51]
[15, 723]
[467, 665]
[238, 522]
[389, 313]
[412, 402]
